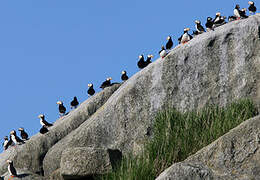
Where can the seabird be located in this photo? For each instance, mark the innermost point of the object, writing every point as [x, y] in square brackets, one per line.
[237, 12]
[148, 60]
[162, 52]
[7, 142]
[23, 134]
[243, 13]
[231, 18]
[219, 20]
[74, 103]
[43, 122]
[91, 90]
[251, 8]
[186, 37]
[44, 129]
[200, 29]
[141, 63]
[15, 138]
[169, 43]
[209, 24]
[11, 169]
[62, 109]
[106, 83]
[124, 76]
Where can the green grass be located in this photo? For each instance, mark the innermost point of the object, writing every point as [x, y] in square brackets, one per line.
[178, 135]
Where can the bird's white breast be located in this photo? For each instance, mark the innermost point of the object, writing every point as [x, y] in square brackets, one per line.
[42, 122]
[13, 139]
[163, 53]
[236, 13]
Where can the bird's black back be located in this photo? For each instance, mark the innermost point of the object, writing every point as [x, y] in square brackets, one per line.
[105, 84]
[169, 44]
[43, 130]
[91, 91]
[124, 77]
[62, 108]
[141, 63]
[74, 102]
[12, 169]
[24, 135]
[252, 8]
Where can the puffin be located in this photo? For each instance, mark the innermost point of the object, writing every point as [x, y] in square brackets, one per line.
[219, 20]
[148, 60]
[11, 169]
[186, 37]
[91, 90]
[124, 76]
[199, 28]
[237, 12]
[251, 8]
[7, 142]
[106, 83]
[74, 103]
[44, 129]
[141, 62]
[162, 52]
[43, 122]
[231, 18]
[209, 24]
[62, 109]
[23, 134]
[15, 138]
[243, 13]
[169, 43]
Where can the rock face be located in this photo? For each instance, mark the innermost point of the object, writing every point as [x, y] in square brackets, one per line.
[214, 68]
[87, 162]
[30, 155]
[236, 155]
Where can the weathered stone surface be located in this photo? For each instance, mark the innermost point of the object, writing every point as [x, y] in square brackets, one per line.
[56, 175]
[78, 163]
[214, 68]
[236, 155]
[30, 155]
[22, 174]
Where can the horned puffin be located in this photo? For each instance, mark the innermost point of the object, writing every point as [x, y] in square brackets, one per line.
[186, 37]
[169, 43]
[74, 103]
[91, 90]
[141, 62]
[124, 76]
[23, 134]
[237, 12]
[148, 60]
[209, 24]
[106, 83]
[243, 13]
[200, 29]
[11, 169]
[62, 109]
[251, 8]
[15, 138]
[219, 20]
[7, 142]
[44, 129]
[43, 122]
[162, 52]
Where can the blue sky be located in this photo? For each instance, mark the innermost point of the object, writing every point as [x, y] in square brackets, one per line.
[50, 50]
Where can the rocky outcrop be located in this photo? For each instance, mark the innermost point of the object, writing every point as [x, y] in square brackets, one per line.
[30, 155]
[217, 67]
[233, 156]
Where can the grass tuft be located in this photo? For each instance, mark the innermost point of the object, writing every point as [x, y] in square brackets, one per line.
[178, 135]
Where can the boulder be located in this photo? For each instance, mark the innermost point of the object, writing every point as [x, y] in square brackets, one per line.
[216, 67]
[31, 154]
[235, 155]
[80, 163]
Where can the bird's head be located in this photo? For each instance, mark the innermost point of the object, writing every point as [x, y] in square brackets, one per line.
[163, 48]
[6, 138]
[90, 85]
[186, 30]
[12, 132]
[209, 18]
[9, 161]
[197, 22]
[237, 6]
[244, 9]
[41, 116]
[109, 79]
[59, 102]
[150, 56]
[218, 14]
[250, 2]
[169, 37]
[123, 72]
[21, 129]
[141, 56]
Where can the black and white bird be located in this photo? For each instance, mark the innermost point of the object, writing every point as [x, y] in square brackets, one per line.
[124, 76]
[237, 12]
[91, 90]
[11, 169]
[148, 60]
[141, 63]
[231, 18]
[15, 138]
[7, 142]
[243, 13]
[251, 8]
[44, 129]
[186, 37]
[106, 83]
[199, 28]
[162, 52]
[43, 122]
[23, 134]
[209, 24]
[169, 43]
[219, 20]
[74, 103]
[62, 109]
